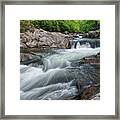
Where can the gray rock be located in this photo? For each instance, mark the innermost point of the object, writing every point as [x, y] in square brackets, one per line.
[92, 34]
[39, 38]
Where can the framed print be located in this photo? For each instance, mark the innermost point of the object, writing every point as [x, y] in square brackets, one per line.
[59, 59]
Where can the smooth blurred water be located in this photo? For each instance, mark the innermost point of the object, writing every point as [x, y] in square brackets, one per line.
[56, 78]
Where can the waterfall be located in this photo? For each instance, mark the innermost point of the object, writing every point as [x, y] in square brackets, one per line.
[78, 45]
[73, 45]
[85, 43]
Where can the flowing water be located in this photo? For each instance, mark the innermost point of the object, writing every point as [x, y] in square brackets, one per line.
[56, 77]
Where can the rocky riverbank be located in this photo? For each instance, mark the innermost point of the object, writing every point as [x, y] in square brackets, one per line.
[40, 39]
[92, 34]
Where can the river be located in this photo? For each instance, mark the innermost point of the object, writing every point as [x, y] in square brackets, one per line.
[58, 75]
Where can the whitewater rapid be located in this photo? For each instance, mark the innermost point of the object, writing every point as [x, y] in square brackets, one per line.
[56, 78]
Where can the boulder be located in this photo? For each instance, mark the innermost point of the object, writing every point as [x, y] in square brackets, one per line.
[92, 34]
[38, 38]
[90, 92]
[94, 59]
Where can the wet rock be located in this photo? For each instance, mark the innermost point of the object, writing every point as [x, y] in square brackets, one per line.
[92, 34]
[25, 56]
[88, 81]
[30, 59]
[94, 60]
[89, 92]
[95, 97]
[87, 75]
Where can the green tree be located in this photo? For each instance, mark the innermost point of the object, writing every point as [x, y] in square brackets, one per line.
[60, 25]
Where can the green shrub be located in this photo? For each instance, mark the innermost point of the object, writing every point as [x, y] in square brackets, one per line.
[60, 25]
[25, 25]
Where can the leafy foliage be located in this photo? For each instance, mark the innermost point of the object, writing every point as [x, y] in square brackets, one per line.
[60, 25]
[25, 25]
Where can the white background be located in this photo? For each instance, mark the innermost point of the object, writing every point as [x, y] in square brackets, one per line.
[104, 106]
